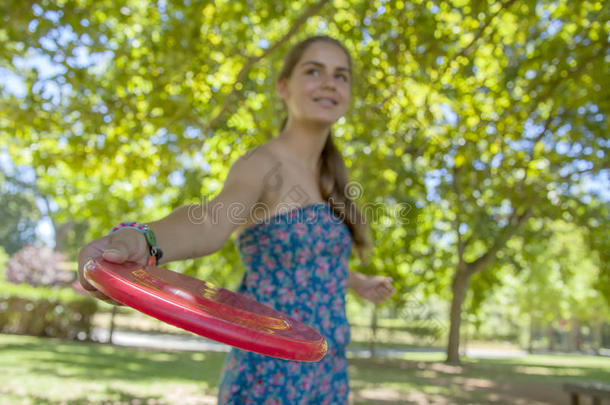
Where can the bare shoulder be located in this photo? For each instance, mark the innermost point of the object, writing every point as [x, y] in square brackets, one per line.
[257, 160]
[251, 170]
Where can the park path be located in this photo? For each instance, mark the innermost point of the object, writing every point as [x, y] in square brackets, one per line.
[168, 341]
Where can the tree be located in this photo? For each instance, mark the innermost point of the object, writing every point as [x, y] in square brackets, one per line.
[478, 116]
[545, 276]
[19, 213]
[525, 138]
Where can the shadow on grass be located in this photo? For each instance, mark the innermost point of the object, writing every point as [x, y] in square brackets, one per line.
[531, 380]
[544, 369]
[390, 381]
[506, 381]
[106, 362]
[111, 396]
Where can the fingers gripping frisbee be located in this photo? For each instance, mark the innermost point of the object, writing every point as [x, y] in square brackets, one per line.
[205, 309]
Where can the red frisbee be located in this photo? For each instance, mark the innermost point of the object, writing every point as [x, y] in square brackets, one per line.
[207, 310]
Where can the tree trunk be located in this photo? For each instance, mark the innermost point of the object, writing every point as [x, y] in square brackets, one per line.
[111, 331]
[464, 272]
[577, 333]
[551, 334]
[530, 343]
[61, 232]
[459, 288]
[464, 346]
[597, 336]
[373, 341]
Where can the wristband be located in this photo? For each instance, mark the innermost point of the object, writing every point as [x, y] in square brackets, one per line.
[151, 240]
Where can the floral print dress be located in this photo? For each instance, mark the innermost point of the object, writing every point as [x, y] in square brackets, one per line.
[297, 263]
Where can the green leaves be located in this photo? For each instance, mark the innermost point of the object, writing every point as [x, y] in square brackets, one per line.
[467, 112]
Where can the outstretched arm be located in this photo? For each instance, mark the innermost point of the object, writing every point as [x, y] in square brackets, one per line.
[199, 230]
[189, 231]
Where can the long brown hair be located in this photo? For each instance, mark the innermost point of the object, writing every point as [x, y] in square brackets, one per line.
[334, 185]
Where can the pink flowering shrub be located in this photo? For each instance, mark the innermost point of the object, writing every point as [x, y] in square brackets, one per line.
[38, 266]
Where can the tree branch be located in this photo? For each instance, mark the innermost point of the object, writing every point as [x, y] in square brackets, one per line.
[579, 172]
[547, 123]
[253, 60]
[477, 36]
[515, 222]
[553, 85]
[461, 246]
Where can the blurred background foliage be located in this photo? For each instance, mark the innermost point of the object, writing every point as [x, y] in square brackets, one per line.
[479, 127]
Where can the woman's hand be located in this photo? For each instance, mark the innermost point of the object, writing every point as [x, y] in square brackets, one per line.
[374, 288]
[122, 246]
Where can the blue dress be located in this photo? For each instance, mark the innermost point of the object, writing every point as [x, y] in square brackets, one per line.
[297, 263]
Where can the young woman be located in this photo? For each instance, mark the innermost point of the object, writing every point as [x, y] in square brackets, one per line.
[296, 225]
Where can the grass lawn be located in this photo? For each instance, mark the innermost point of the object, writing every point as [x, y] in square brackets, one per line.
[423, 378]
[46, 371]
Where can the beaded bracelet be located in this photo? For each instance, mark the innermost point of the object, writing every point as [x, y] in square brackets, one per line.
[132, 225]
[151, 240]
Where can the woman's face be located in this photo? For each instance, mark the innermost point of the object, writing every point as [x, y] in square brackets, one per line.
[319, 88]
